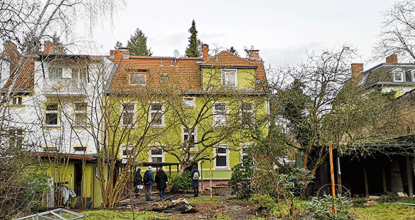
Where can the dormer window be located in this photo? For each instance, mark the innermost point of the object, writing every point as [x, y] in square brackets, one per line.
[398, 75]
[137, 79]
[229, 78]
[412, 74]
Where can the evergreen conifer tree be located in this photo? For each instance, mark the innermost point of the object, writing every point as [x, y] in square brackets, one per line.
[138, 44]
[192, 50]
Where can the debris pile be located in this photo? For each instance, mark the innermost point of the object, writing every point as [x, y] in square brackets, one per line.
[177, 206]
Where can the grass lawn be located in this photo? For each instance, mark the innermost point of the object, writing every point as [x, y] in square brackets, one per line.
[386, 211]
[122, 215]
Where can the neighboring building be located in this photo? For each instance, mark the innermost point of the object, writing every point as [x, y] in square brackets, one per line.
[193, 109]
[387, 164]
[390, 76]
[53, 110]
[55, 100]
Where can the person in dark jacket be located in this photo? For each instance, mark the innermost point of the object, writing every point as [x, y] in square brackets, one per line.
[149, 183]
[161, 180]
[138, 181]
[195, 183]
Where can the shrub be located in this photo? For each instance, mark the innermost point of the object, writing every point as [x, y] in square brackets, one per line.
[322, 208]
[241, 179]
[183, 181]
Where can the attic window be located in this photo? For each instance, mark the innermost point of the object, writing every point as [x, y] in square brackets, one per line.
[412, 74]
[398, 75]
[229, 78]
[137, 79]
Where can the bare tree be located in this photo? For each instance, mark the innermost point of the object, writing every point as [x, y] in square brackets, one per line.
[398, 29]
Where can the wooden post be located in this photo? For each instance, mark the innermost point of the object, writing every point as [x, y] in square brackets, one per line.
[178, 169]
[210, 178]
[170, 169]
[409, 176]
[333, 184]
[366, 183]
[385, 188]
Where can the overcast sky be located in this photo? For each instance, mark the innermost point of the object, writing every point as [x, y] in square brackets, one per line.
[281, 30]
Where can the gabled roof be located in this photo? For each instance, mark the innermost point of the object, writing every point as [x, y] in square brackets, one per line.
[226, 58]
[183, 73]
[380, 74]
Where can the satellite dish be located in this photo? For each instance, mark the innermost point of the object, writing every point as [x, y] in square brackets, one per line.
[176, 53]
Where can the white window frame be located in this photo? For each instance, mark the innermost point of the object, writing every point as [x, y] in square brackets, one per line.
[226, 154]
[243, 148]
[79, 112]
[17, 101]
[152, 111]
[151, 156]
[77, 149]
[220, 117]
[400, 71]
[16, 133]
[225, 77]
[139, 84]
[125, 157]
[194, 133]
[413, 75]
[54, 73]
[126, 111]
[252, 111]
[52, 112]
[188, 102]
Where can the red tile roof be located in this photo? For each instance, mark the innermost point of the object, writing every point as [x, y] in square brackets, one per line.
[25, 79]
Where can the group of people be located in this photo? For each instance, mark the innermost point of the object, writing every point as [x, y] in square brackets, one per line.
[161, 179]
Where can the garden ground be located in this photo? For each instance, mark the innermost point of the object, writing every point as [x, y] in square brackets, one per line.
[232, 208]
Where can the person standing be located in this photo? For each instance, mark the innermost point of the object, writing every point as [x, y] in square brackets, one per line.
[194, 175]
[138, 183]
[161, 180]
[148, 182]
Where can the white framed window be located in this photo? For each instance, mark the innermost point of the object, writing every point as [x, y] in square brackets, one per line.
[244, 153]
[398, 75]
[15, 138]
[189, 135]
[221, 160]
[55, 73]
[17, 101]
[229, 77]
[412, 73]
[137, 79]
[51, 114]
[127, 152]
[156, 154]
[156, 114]
[79, 74]
[247, 113]
[80, 113]
[128, 114]
[219, 114]
[189, 102]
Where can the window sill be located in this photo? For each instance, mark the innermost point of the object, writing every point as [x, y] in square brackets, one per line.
[17, 106]
[221, 168]
[51, 127]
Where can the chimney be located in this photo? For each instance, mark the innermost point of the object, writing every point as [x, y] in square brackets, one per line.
[357, 69]
[205, 52]
[10, 49]
[392, 59]
[254, 54]
[49, 48]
